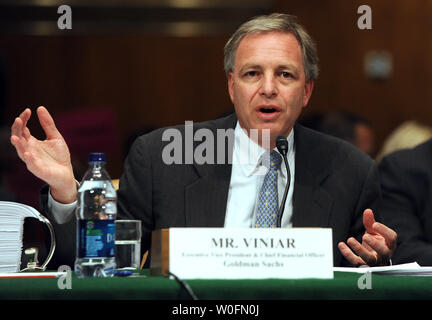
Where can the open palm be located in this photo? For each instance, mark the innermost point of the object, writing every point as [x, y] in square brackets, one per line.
[49, 159]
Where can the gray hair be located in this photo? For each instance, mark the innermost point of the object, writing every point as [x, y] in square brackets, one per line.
[280, 23]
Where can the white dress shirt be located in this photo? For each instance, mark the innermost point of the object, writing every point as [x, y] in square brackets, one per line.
[62, 212]
[247, 176]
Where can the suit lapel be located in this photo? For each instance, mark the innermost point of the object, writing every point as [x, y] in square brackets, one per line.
[206, 198]
[311, 202]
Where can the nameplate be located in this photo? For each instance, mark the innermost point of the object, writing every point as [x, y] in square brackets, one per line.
[231, 253]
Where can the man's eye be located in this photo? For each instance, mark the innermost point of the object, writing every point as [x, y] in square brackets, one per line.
[286, 75]
[251, 73]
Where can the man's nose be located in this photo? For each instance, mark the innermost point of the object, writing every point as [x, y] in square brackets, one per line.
[268, 87]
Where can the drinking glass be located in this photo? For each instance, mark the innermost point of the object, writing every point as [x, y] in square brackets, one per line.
[128, 244]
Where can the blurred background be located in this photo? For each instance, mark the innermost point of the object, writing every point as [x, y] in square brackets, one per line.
[129, 66]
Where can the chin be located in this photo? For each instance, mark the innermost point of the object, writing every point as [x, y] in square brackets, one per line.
[274, 129]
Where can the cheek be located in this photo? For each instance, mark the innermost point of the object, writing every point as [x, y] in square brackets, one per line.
[294, 98]
[243, 98]
[244, 108]
[246, 91]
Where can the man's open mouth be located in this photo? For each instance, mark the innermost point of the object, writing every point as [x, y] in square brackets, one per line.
[267, 110]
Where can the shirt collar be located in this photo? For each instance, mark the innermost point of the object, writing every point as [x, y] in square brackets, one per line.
[249, 153]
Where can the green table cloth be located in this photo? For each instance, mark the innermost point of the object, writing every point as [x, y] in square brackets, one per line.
[344, 286]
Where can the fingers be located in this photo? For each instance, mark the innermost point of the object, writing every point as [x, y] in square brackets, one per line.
[20, 123]
[379, 246]
[22, 146]
[372, 251]
[354, 259]
[20, 134]
[387, 233]
[378, 237]
[47, 123]
[384, 244]
[364, 252]
[16, 129]
[16, 143]
[25, 116]
[19, 127]
[368, 221]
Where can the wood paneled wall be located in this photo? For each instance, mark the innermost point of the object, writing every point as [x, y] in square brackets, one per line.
[399, 27]
[147, 80]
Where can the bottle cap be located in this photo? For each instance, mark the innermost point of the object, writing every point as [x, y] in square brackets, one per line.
[97, 157]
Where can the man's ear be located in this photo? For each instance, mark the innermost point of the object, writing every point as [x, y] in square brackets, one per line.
[308, 88]
[231, 85]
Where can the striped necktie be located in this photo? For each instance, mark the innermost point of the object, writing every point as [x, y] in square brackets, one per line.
[268, 202]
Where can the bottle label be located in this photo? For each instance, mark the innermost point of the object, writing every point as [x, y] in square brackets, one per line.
[95, 238]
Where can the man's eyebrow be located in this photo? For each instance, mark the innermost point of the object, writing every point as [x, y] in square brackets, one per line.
[288, 67]
[249, 66]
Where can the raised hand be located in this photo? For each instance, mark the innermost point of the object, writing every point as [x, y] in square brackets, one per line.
[49, 159]
[377, 247]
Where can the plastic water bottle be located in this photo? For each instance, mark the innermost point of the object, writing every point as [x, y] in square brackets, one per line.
[96, 213]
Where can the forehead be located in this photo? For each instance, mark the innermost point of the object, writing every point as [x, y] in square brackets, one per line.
[269, 47]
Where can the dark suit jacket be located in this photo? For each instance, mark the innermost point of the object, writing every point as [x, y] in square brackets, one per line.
[334, 183]
[406, 180]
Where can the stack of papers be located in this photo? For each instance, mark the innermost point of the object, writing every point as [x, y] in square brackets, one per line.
[406, 269]
[12, 216]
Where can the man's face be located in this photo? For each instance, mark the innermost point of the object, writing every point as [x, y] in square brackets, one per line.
[268, 86]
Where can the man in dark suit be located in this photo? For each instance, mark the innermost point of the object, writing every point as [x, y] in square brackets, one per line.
[406, 182]
[271, 65]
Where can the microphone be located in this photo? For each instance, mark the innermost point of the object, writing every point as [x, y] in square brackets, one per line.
[282, 146]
